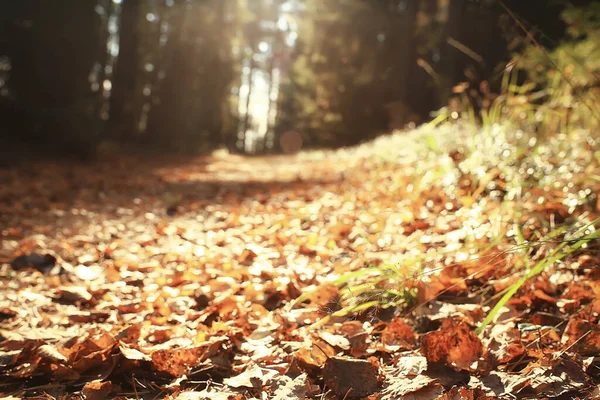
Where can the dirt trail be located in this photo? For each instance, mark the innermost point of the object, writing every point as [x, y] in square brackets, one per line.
[177, 275]
[180, 252]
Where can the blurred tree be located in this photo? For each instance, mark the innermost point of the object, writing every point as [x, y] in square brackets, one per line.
[51, 100]
[451, 57]
[353, 60]
[196, 74]
[259, 48]
[193, 78]
[125, 99]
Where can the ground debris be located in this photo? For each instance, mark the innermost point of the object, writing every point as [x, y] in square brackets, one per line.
[258, 283]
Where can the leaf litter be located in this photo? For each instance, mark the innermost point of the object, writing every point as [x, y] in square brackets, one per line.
[359, 273]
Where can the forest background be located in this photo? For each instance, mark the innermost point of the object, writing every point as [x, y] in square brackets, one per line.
[87, 78]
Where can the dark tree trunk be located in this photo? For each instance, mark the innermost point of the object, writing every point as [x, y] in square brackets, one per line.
[247, 117]
[451, 58]
[407, 51]
[166, 123]
[124, 107]
[52, 51]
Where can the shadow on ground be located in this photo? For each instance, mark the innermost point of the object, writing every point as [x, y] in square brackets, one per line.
[60, 193]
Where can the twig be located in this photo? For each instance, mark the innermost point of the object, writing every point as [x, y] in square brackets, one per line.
[134, 388]
[347, 393]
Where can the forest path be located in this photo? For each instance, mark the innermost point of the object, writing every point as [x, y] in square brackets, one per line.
[57, 191]
[185, 273]
[179, 254]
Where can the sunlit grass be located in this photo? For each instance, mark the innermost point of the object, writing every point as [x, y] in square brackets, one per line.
[527, 154]
[508, 168]
[586, 233]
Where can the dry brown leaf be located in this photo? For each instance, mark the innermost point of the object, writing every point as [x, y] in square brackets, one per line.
[335, 340]
[410, 366]
[398, 386]
[287, 388]
[397, 335]
[357, 336]
[52, 354]
[73, 294]
[505, 343]
[253, 377]
[324, 295]
[454, 345]
[133, 354]
[176, 362]
[582, 337]
[97, 390]
[313, 357]
[351, 377]
[555, 377]
[130, 334]
[463, 393]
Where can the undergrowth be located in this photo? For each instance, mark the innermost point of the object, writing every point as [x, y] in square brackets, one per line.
[528, 152]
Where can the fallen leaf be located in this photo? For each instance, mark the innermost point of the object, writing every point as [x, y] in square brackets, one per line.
[52, 354]
[133, 354]
[454, 345]
[351, 377]
[410, 366]
[313, 358]
[97, 390]
[175, 362]
[253, 377]
[399, 386]
[335, 340]
[561, 376]
[206, 394]
[397, 335]
[73, 294]
[505, 343]
[462, 393]
[582, 337]
[290, 389]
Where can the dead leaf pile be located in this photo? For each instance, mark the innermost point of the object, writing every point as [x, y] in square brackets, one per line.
[228, 279]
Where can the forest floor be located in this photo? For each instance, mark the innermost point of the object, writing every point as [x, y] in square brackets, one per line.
[355, 273]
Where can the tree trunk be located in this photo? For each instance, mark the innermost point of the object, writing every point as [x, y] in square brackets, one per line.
[124, 107]
[247, 117]
[52, 54]
[451, 58]
[407, 51]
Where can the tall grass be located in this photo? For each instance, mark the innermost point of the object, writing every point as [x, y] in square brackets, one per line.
[535, 140]
[586, 233]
